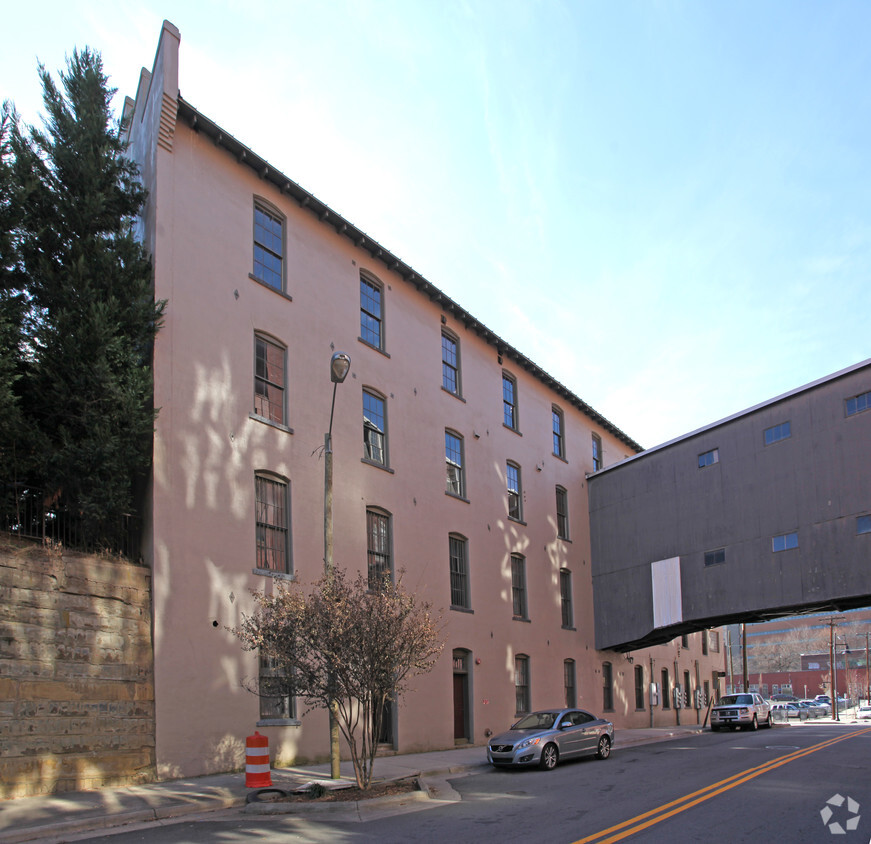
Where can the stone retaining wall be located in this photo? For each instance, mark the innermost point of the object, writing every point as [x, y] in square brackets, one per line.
[76, 671]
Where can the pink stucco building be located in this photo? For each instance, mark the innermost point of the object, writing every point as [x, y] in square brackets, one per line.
[457, 459]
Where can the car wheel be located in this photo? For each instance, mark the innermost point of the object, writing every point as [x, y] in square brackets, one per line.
[604, 750]
[715, 728]
[549, 757]
[754, 725]
[768, 721]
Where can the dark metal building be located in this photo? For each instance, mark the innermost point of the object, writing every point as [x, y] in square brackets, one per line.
[762, 514]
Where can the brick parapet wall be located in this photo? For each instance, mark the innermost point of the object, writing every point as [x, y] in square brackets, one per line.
[76, 671]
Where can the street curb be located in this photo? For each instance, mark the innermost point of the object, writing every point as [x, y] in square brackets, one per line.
[59, 829]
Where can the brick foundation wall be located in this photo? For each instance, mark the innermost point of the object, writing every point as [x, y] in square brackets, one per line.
[76, 671]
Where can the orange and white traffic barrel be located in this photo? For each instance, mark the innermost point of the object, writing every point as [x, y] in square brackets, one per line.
[257, 772]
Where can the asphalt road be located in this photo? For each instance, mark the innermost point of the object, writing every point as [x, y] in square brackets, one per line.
[787, 784]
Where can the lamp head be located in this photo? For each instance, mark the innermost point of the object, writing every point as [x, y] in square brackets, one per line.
[340, 365]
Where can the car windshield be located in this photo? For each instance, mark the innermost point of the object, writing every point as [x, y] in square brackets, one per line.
[536, 721]
[731, 700]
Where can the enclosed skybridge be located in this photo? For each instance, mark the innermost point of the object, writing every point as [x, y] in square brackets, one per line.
[764, 514]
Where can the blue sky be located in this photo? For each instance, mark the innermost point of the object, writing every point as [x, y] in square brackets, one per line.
[664, 204]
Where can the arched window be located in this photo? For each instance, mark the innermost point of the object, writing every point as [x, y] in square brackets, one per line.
[272, 522]
[521, 684]
[268, 245]
[451, 362]
[607, 687]
[270, 362]
[378, 546]
[371, 311]
[569, 683]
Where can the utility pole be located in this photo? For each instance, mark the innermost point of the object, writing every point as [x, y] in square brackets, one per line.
[744, 654]
[867, 678]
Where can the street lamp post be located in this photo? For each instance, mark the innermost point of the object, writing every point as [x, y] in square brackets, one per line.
[340, 364]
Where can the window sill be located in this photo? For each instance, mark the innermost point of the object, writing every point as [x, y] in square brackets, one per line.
[561, 458]
[268, 286]
[374, 348]
[462, 609]
[279, 575]
[458, 497]
[522, 618]
[566, 627]
[377, 465]
[279, 722]
[257, 418]
[564, 539]
[513, 430]
[457, 396]
[518, 521]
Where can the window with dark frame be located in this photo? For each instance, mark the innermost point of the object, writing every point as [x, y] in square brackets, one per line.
[268, 247]
[776, 433]
[515, 506]
[455, 484]
[704, 636]
[597, 452]
[371, 313]
[858, 404]
[459, 572]
[607, 687]
[374, 428]
[709, 458]
[863, 524]
[562, 513]
[378, 547]
[275, 690]
[565, 596]
[559, 448]
[518, 586]
[714, 558]
[639, 687]
[569, 683]
[686, 688]
[269, 378]
[509, 401]
[521, 684]
[450, 363]
[272, 524]
[666, 690]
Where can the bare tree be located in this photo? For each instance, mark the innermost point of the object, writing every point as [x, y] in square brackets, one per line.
[782, 651]
[347, 645]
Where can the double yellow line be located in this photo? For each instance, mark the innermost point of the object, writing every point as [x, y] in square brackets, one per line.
[667, 810]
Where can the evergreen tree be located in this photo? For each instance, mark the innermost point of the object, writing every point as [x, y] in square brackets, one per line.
[91, 315]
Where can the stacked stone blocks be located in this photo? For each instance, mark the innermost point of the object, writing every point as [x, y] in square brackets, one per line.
[76, 671]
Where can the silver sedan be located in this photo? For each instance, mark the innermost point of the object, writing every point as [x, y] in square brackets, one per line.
[543, 738]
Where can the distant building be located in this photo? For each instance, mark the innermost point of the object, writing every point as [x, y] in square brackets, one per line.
[457, 459]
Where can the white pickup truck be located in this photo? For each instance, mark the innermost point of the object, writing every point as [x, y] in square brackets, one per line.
[745, 709]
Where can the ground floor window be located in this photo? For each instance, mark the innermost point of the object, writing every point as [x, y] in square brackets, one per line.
[276, 691]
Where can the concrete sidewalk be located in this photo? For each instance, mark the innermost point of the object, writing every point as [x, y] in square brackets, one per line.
[59, 816]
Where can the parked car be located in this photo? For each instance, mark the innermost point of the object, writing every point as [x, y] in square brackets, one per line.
[747, 709]
[821, 708]
[864, 711]
[792, 710]
[543, 738]
[823, 699]
[813, 711]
